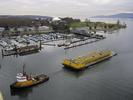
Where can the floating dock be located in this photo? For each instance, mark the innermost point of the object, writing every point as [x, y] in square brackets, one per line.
[8, 52]
[80, 44]
[97, 36]
[83, 62]
[28, 49]
[21, 50]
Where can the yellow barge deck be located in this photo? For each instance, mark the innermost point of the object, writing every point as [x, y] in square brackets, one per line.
[83, 62]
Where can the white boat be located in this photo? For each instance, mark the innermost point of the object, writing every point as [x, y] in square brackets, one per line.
[3, 43]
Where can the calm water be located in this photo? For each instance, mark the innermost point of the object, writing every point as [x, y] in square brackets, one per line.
[109, 80]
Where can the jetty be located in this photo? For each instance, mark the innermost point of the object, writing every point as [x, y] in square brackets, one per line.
[80, 44]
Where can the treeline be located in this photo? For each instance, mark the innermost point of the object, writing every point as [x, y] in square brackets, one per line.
[94, 26]
[15, 22]
[64, 24]
[70, 20]
[19, 22]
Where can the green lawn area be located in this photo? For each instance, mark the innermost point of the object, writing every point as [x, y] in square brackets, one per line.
[93, 24]
[77, 24]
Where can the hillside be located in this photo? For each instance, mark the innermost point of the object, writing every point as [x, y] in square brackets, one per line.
[120, 15]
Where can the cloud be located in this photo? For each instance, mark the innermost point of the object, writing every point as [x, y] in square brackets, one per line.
[102, 2]
[76, 8]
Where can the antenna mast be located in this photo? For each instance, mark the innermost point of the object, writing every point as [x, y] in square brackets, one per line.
[24, 73]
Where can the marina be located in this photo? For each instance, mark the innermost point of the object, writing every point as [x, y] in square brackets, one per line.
[26, 44]
[33, 43]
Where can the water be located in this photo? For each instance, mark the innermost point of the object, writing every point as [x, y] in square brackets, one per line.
[109, 80]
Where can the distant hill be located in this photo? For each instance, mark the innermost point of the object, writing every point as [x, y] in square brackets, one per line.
[120, 15]
[25, 16]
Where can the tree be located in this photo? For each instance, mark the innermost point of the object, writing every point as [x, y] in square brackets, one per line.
[87, 22]
[118, 22]
[6, 31]
[16, 30]
[25, 30]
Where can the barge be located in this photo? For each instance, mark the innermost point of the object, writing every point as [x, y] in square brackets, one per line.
[83, 62]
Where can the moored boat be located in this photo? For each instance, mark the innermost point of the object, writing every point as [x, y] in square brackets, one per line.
[28, 49]
[83, 62]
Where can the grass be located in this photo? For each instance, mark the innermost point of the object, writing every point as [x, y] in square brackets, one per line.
[77, 24]
[100, 25]
[84, 24]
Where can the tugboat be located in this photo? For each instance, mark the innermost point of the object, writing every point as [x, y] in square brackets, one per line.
[24, 80]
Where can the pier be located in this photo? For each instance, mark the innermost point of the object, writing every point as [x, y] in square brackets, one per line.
[80, 44]
[84, 41]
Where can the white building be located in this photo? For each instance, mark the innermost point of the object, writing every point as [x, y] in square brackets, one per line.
[56, 19]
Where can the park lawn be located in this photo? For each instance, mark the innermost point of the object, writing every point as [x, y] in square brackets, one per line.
[77, 24]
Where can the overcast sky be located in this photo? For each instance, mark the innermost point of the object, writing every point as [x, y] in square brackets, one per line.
[73, 8]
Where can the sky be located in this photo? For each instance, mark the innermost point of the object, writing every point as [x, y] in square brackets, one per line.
[65, 8]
